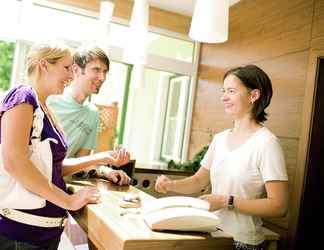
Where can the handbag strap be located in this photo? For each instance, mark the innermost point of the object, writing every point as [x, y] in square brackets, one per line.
[38, 124]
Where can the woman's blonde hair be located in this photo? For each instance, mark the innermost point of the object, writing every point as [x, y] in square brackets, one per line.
[51, 52]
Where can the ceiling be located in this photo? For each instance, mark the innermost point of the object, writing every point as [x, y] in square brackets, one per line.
[184, 7]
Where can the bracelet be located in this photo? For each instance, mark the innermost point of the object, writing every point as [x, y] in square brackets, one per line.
[102, 170]
[230, 204]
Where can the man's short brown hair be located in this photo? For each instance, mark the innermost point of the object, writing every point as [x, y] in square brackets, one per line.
[86, 54]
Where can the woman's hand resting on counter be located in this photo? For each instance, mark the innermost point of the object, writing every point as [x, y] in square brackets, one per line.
[82, 197]
[215, 201]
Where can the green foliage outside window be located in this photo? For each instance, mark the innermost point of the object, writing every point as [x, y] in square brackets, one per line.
[6, 60]
[191, 165]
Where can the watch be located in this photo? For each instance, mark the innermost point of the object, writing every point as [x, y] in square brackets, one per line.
[230, 203]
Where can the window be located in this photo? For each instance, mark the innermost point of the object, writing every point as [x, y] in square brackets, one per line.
[145, 114]
[170, 47]
[175, 118]
[156, 117]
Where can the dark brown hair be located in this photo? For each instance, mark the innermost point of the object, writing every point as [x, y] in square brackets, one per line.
[87, 54]
[253, 77]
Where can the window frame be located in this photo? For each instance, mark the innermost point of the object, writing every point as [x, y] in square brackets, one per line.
[180, 118]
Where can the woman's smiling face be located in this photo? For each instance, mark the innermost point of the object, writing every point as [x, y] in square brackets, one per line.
[236, 97]
[60, 74]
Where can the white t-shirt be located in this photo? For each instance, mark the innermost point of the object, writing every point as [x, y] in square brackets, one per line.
[242, 173]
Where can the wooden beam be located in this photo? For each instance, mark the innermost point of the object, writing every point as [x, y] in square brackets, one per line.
[123, 8]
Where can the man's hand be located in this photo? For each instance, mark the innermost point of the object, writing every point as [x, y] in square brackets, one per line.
[117, 157]
[118, 177]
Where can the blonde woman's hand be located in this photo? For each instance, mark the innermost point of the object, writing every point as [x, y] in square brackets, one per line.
[87, 195]
[215, 201]
[162, 184]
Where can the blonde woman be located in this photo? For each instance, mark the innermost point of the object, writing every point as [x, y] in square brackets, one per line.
[244, 164]
[49, 71]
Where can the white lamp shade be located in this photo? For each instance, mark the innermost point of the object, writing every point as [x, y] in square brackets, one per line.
[210, 21]
[135, 49]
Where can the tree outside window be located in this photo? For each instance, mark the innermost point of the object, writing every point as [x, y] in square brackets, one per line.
[6, 60]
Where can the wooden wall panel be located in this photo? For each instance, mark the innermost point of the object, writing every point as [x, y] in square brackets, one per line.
[123, 9]
[170, 21]
[208, 116]
[261, 30]
[288, 75]
[198, 138]
[318, 19]
[92, 5]
[318, 26]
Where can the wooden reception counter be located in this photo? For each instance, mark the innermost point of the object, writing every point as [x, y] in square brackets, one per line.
[107, 228]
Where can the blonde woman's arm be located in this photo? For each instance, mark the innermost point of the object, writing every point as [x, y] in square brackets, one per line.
[16, 124]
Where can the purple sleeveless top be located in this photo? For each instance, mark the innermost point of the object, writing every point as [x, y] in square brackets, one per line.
[22, 232]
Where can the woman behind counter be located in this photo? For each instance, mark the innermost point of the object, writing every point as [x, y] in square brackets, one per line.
[242, 163]
[49, 71]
